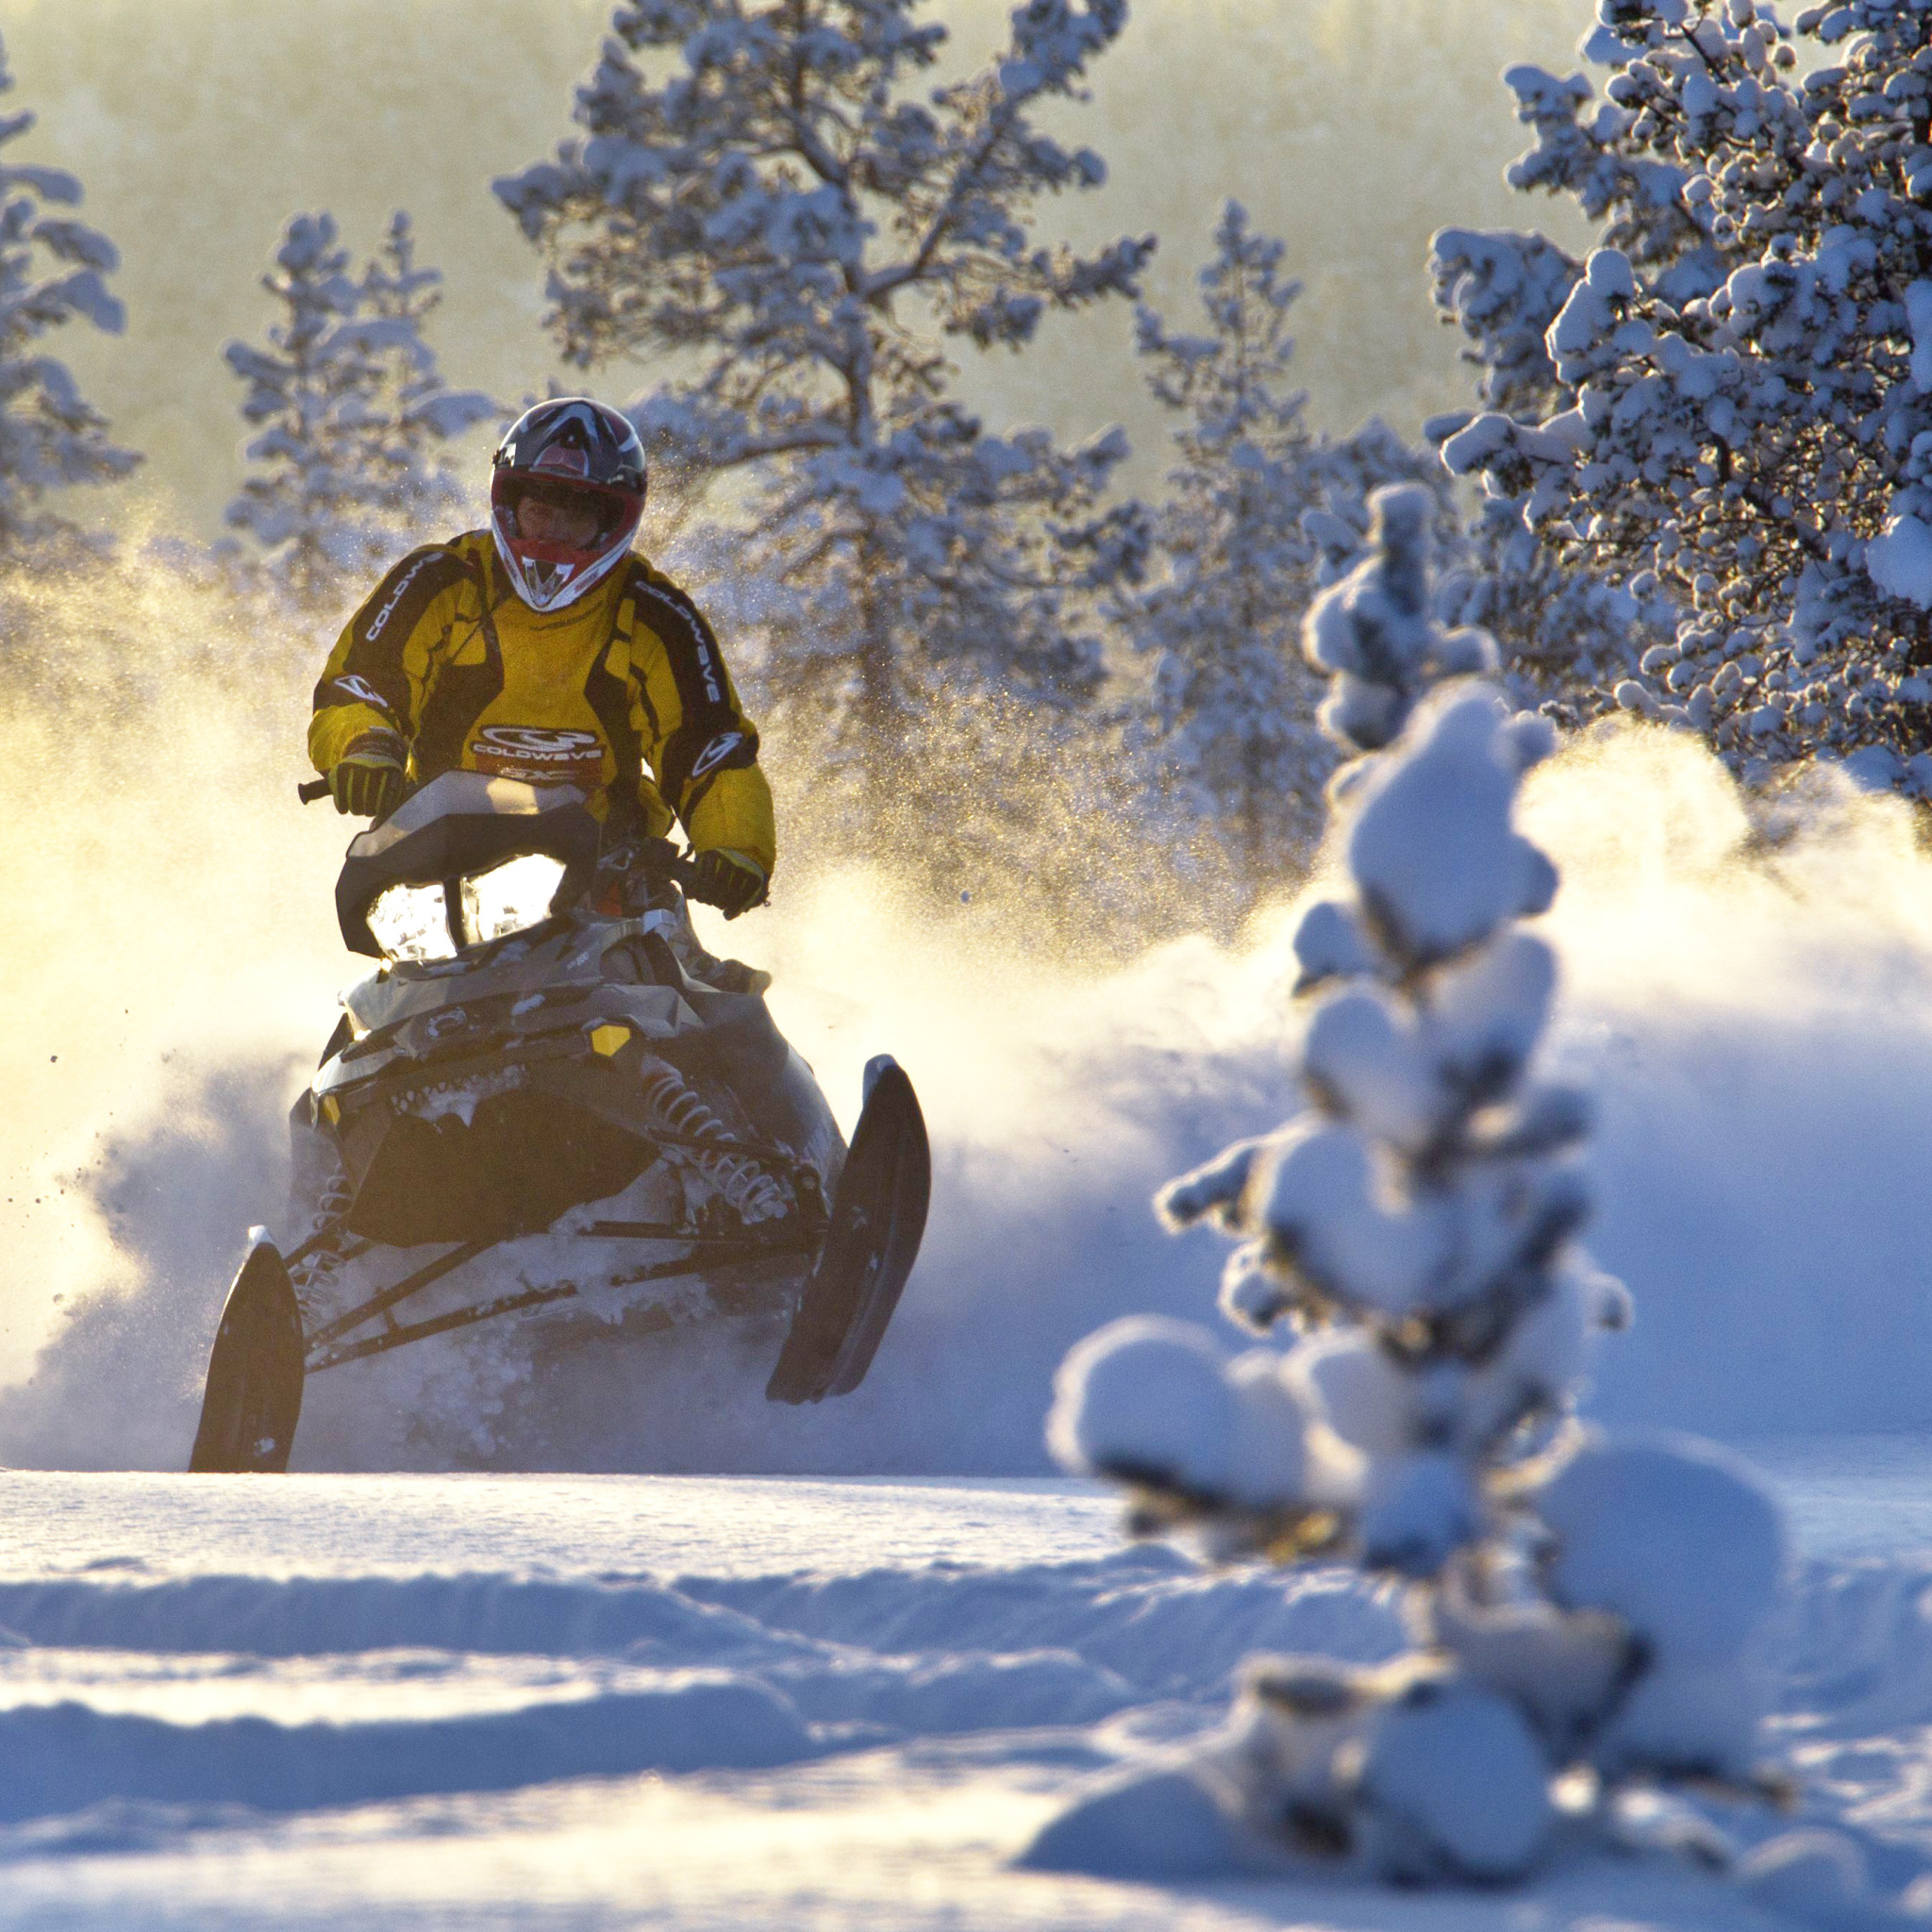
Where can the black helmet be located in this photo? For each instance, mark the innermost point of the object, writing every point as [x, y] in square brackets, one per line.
[592, 454]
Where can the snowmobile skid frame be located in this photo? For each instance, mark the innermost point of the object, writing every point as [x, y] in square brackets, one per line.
[860, 1258]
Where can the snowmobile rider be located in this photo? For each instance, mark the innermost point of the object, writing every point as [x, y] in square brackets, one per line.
[546, 649]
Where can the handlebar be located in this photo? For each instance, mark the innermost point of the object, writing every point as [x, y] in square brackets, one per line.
[658, 858]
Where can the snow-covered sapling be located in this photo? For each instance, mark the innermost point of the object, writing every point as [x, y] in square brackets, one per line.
[1377, 635]
[1579, 1607]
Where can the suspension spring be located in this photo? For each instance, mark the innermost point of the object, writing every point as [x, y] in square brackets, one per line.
[311, 1275]
[745, 1183]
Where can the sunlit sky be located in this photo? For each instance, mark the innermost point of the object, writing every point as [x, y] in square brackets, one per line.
[1352, 127]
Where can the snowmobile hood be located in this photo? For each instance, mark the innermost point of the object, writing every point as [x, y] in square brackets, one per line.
[457, 826]
[551, 964]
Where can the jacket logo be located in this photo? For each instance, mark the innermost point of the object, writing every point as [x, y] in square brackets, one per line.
[360, 689]
[716, 753]
[380, 619]
[537, 754]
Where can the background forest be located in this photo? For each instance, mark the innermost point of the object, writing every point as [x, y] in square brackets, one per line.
[831, 288]
[1074, 640]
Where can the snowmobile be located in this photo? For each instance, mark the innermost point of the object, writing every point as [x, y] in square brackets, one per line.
[595, 1077]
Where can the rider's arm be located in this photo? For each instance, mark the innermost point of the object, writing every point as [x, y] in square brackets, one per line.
[695, 736]
[372, 685]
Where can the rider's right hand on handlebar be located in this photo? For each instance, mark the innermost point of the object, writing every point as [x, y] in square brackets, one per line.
[368, 778]
[728, 880]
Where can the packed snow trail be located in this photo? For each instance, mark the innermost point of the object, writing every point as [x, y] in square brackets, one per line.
[417, 1701]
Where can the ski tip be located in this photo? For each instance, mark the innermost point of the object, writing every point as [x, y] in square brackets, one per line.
[253, 1399]
[880, 1063]
[879, 1219]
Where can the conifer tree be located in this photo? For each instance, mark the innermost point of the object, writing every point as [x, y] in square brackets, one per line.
[775, 202]
[52, 273]
[1568, 636]
[1260, 510]
[1579, 1605]
[347, 406]
[1721, 409]
[417, 410]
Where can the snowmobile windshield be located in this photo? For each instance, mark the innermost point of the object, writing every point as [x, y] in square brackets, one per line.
[457, 827]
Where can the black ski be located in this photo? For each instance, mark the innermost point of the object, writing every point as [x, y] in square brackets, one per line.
[253, 1395]
[878, 1215]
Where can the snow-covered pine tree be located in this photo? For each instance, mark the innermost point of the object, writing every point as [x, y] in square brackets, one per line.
[52, 271]
[1578, 1606]
[1728, 406]
[347, 406]
[1258, 509]
[419, 412]
[773, 209]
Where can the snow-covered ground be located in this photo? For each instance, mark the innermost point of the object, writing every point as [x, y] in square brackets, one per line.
[548, 1702]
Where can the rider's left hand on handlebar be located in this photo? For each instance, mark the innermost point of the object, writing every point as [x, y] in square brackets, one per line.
[368, 778]
[728, 880]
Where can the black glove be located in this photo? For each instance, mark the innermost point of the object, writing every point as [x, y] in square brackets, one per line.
[368, 778]
[727, 880]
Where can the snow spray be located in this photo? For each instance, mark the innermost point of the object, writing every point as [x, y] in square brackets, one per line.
[1750, 996]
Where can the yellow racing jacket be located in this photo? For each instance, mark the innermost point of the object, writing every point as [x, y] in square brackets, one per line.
[623, 693]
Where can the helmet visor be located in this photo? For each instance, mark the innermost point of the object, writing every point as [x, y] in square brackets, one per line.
[575, 521]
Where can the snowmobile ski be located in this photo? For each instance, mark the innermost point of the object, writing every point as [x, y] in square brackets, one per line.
[255, 1373]
[878, 1216]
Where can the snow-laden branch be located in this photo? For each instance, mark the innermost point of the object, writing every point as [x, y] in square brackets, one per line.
[1720, 411]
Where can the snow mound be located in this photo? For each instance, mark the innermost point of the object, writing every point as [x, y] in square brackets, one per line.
[64, 1756]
